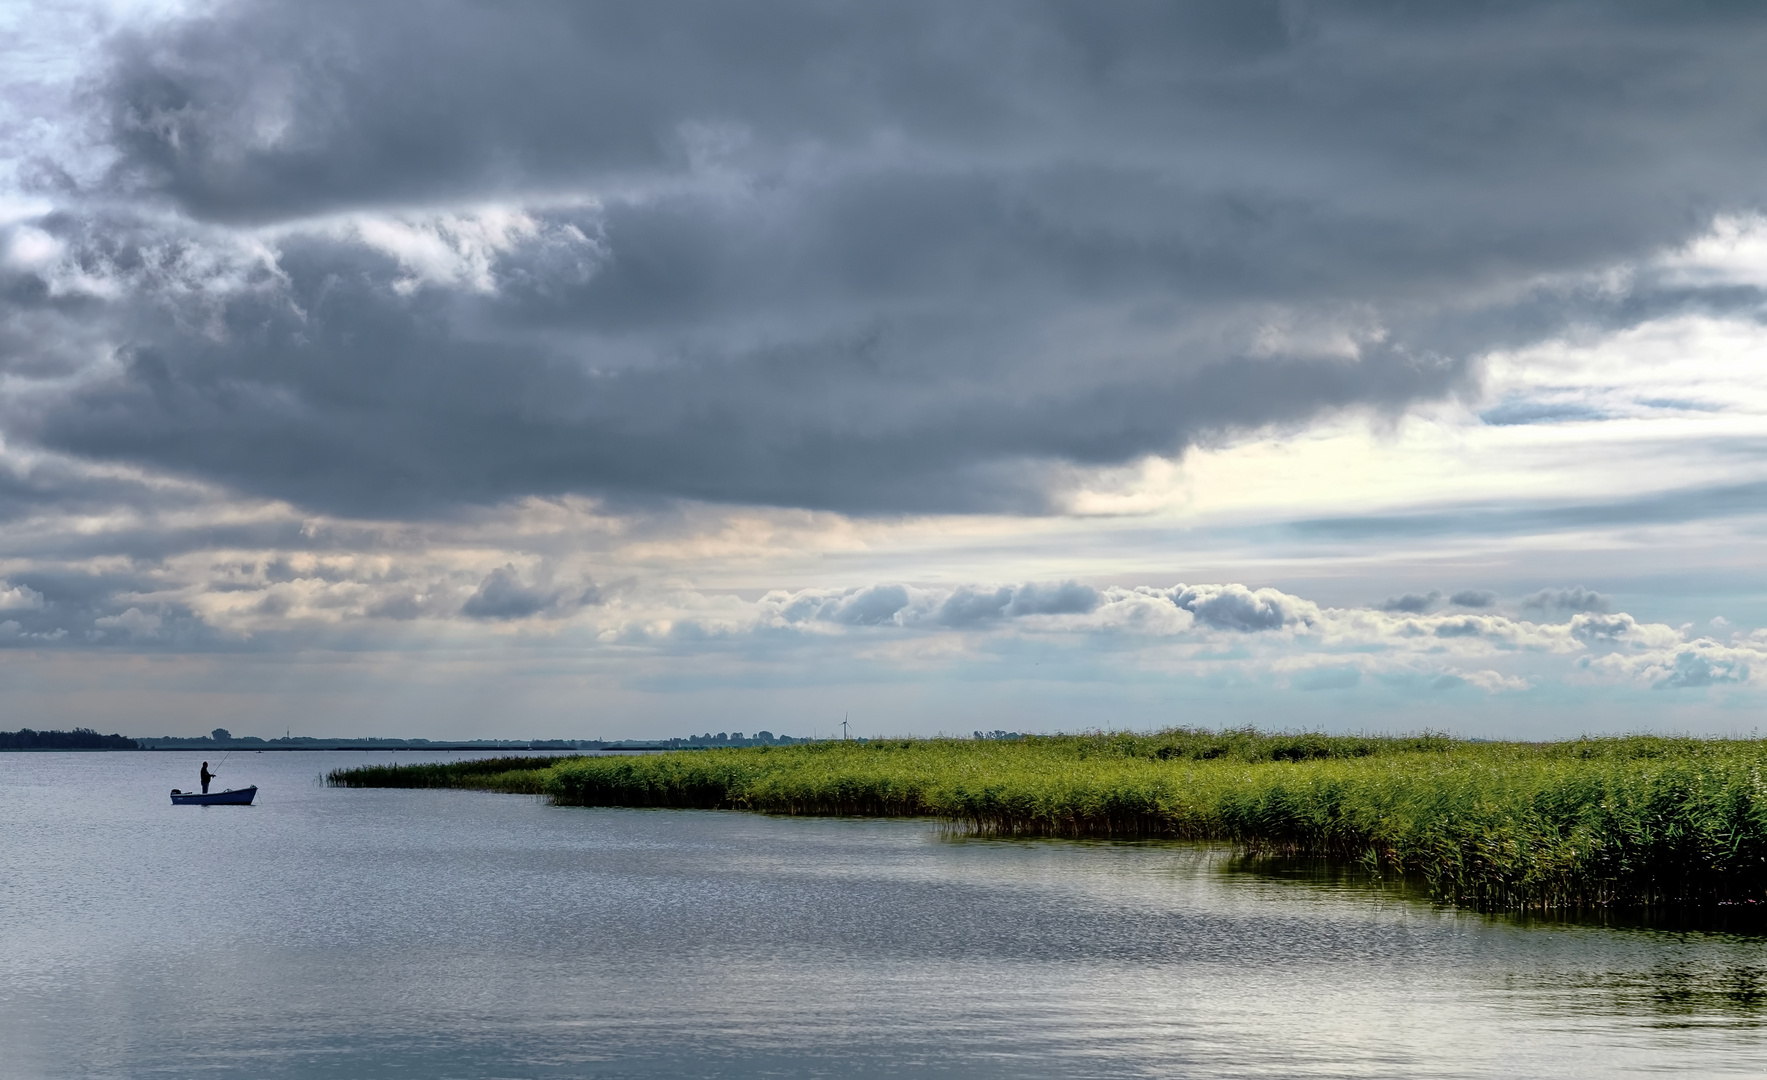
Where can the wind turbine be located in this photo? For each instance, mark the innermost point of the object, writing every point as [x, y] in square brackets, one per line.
[844, 724]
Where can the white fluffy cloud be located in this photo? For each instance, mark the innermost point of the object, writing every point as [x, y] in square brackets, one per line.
[464, 249]
[1215, 628]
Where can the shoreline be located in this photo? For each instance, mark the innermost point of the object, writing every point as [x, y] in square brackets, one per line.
[1630, 822]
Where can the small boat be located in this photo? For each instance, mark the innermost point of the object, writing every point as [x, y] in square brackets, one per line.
[230, 797]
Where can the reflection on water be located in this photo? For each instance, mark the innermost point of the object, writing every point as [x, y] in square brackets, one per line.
[1683, 993]
[367, 933]
[1699, 967]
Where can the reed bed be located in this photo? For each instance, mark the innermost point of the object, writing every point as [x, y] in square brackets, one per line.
[1636, 822]
[516, 775]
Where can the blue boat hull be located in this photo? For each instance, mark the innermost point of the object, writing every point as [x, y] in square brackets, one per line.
[242, 797]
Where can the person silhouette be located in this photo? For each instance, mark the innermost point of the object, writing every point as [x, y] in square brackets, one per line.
[206, 777]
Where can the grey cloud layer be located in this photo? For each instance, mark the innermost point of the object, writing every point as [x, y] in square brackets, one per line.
[273, 602]
[391, 259]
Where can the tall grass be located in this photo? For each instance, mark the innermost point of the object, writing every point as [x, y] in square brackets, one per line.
[1635, 822]
[517, 775]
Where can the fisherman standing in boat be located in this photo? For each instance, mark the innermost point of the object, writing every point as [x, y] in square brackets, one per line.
[206, 777]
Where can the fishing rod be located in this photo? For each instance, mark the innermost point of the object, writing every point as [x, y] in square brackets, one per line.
[216, 771]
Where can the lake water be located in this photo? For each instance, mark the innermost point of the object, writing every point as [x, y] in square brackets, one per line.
[361, 933]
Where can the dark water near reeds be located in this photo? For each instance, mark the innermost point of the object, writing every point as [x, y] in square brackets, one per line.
[380, 933]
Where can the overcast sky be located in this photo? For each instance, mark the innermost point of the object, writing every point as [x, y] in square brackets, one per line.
[577, 369]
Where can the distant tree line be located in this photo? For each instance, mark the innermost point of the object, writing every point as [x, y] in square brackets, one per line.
[736, 738]
[222, 739]
[77, 739]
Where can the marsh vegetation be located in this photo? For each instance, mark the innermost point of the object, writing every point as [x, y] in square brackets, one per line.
[1637, 821]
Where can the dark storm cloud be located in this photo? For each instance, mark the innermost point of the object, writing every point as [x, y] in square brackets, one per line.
[339, 393]
[914, 256]
[277, 109]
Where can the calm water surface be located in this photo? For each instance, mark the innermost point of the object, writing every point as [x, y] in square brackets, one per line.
[338, 933]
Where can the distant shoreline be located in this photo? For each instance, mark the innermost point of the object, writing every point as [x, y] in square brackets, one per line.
[371, 749]
[222, 740]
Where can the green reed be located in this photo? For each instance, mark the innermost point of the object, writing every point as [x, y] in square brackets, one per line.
[517, 775]
[1639, 821]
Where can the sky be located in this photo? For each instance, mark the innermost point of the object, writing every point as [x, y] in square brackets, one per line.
[598, 370]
